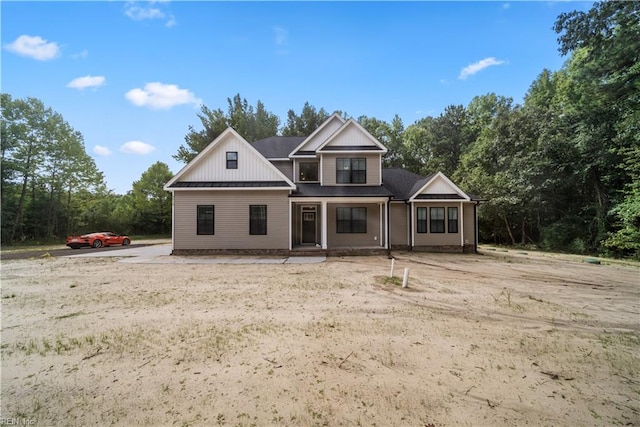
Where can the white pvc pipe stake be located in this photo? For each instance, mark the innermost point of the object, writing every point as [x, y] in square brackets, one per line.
[392, 262]
[405, 279]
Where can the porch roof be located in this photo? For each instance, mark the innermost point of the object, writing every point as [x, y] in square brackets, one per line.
[317, 190]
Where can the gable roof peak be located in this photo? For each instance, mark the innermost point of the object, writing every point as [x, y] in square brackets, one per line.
[325, 124]
[266, 168]
[347, 124]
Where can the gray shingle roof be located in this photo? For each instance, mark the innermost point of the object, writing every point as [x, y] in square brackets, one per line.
[277, 147]
[316, 190]
[403, 184]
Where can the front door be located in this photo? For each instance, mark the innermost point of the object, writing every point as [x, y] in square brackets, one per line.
[309, 227]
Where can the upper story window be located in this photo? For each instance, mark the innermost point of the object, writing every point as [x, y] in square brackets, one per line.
[351, 171]
[308, 171]
[232, 160]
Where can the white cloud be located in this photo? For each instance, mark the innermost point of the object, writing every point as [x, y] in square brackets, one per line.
[137, 147]
[141, 13]
[81, 55]
[101, 151]
[472, 69]
[81, 83]
[34, 47]
[281, 35]
[161, 96]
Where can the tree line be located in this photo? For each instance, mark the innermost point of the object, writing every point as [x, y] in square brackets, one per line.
[560, 171]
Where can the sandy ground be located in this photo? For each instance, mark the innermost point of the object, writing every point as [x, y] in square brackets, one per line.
[497, 339]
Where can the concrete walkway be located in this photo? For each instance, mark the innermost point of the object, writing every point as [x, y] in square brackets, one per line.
[161, 254]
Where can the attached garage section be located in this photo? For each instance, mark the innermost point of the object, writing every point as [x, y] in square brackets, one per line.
[241, 220]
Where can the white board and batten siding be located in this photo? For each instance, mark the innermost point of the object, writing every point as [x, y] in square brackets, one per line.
[315, 140]
[350, 136]
[231, 219]
[251, 166]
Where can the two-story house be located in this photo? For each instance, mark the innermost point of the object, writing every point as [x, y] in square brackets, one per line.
[325, 192]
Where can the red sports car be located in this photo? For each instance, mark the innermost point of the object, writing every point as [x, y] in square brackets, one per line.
[97, 240]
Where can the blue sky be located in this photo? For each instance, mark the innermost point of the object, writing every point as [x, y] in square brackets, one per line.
[131, 76]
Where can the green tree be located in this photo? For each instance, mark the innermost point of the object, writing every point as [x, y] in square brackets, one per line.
[306, 123]
[602, 96]
[149, 203]
[249, 123]
[449, 136]
[44, 164]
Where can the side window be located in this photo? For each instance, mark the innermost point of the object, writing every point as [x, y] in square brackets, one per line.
[205, 220]
[258, 219]
[232, 160]
[422, 220]
[452, 216]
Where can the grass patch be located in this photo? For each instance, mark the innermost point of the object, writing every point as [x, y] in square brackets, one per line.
[395, 281]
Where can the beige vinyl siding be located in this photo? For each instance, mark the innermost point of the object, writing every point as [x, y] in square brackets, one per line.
[284, 166]
[341, 240]
[398, 224]
[469, 225]
[231, 219]
[435, 239]
[328, 164]
[251, 165]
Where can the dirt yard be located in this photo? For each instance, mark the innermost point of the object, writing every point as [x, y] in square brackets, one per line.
[496, 339]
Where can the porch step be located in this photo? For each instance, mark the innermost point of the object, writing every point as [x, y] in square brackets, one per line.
[308, 252]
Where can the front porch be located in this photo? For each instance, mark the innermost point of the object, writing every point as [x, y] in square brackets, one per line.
[339, 225]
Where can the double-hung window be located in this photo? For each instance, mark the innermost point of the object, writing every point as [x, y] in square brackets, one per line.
[422, 220]
[351, 220]
[205, 220]
[232, 160]
[436, 220]
[258, 219]
[308, 171]
[351, 171]
[452, 217]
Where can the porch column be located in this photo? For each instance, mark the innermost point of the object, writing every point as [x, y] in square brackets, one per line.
[381, 225]
[412, 231]
[324, 224]
[387, 218]
[462, 225]
[290, 225]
